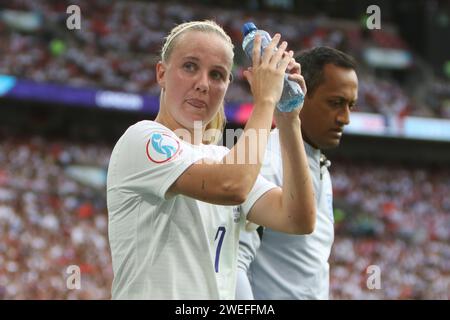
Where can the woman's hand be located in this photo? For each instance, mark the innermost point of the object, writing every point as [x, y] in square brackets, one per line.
[294, 71]
[267, 74]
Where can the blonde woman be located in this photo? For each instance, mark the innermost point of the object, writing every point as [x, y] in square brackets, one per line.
[176, 205]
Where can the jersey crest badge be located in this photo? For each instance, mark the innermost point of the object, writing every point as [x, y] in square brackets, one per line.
[162, 147]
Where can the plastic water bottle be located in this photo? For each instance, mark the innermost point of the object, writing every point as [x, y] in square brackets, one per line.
[292, 96]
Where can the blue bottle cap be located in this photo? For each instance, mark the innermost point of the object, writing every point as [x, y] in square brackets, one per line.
[248, 27]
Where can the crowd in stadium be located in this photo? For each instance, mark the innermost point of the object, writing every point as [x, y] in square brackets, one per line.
[397, 219]
[48, 221]
[119, 44]
[393, 217]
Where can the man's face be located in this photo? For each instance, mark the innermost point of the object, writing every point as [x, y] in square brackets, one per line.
[327, 110]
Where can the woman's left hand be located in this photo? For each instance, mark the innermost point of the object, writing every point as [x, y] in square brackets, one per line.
[294, 70]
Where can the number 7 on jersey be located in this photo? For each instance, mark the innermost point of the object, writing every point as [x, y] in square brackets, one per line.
[222, 231]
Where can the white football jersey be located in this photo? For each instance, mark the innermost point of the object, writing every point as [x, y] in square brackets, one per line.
[169, 246]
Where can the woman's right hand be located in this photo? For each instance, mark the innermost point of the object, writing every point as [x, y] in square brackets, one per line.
[266, 76]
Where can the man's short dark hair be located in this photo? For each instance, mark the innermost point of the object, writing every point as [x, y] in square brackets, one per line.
[313, 61]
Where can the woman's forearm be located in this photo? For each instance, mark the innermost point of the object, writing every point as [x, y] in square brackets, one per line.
[242, 164]
[298, 193]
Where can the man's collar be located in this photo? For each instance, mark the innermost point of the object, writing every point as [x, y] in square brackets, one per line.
[317, 155]
[312, 152]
